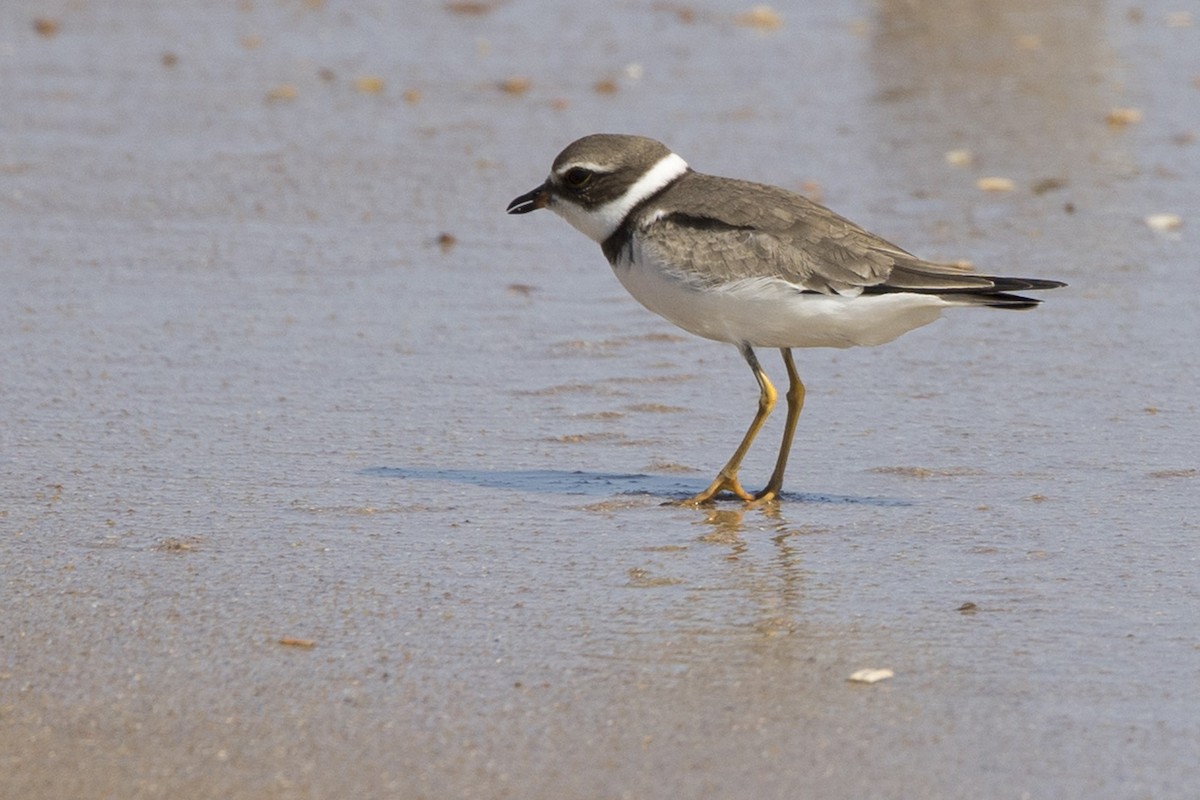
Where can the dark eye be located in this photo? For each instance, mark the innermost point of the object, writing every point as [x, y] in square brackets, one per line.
[577, 177]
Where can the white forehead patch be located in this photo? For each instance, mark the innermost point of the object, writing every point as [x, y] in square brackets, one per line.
[590, 166]
[599, 223]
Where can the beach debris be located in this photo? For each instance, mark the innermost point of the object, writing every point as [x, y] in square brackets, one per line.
[369, 84]
[993, 183]
[1048, 185]
[46, 26]
[1122, 117]
[292, 641]
[517, 84]
[763, 18]
[467, 8]
[960, 157]
[1164, 223]
[871, 675]
[284, 92]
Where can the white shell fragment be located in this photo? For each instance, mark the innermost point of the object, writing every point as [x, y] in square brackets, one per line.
[1164, 222]
[959, 158]
[871, 675]
[995, 184]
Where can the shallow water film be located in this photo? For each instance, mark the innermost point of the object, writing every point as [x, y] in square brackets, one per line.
[321, 476]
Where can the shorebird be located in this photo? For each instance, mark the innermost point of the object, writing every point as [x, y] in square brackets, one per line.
[753, 265]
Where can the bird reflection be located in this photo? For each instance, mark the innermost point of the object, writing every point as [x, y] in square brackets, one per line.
[727, 525]
[776, 586]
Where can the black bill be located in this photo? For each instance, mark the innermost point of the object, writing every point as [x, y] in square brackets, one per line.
[530, 201]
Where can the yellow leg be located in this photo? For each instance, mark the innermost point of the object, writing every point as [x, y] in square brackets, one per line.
[727, 479]
[795, 400]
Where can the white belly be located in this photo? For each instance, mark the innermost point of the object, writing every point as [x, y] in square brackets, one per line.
[770, 312]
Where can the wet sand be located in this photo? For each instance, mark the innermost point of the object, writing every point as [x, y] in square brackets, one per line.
[322, 477]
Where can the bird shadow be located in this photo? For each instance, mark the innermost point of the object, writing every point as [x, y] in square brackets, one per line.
[597, 484]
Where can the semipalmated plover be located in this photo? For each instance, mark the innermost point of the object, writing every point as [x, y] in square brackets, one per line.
[750, 264]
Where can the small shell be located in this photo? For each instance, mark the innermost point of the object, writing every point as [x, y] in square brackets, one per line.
[871, 675]
[369, 84]
[995, 184]
[959, 158]
[1164, 222]
[764, 18]
[1120, 117]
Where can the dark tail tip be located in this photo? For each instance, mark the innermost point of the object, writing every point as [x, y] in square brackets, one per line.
[1013, 302]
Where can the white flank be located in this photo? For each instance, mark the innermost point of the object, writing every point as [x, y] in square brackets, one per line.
[599, 223]
[770, 312]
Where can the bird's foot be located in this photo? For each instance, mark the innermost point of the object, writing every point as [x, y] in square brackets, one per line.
[769, 493]
[722, 483]
[766, 497]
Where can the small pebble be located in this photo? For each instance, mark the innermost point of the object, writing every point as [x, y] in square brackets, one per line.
[515, 85]
[1120, 117]
[46, 26]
